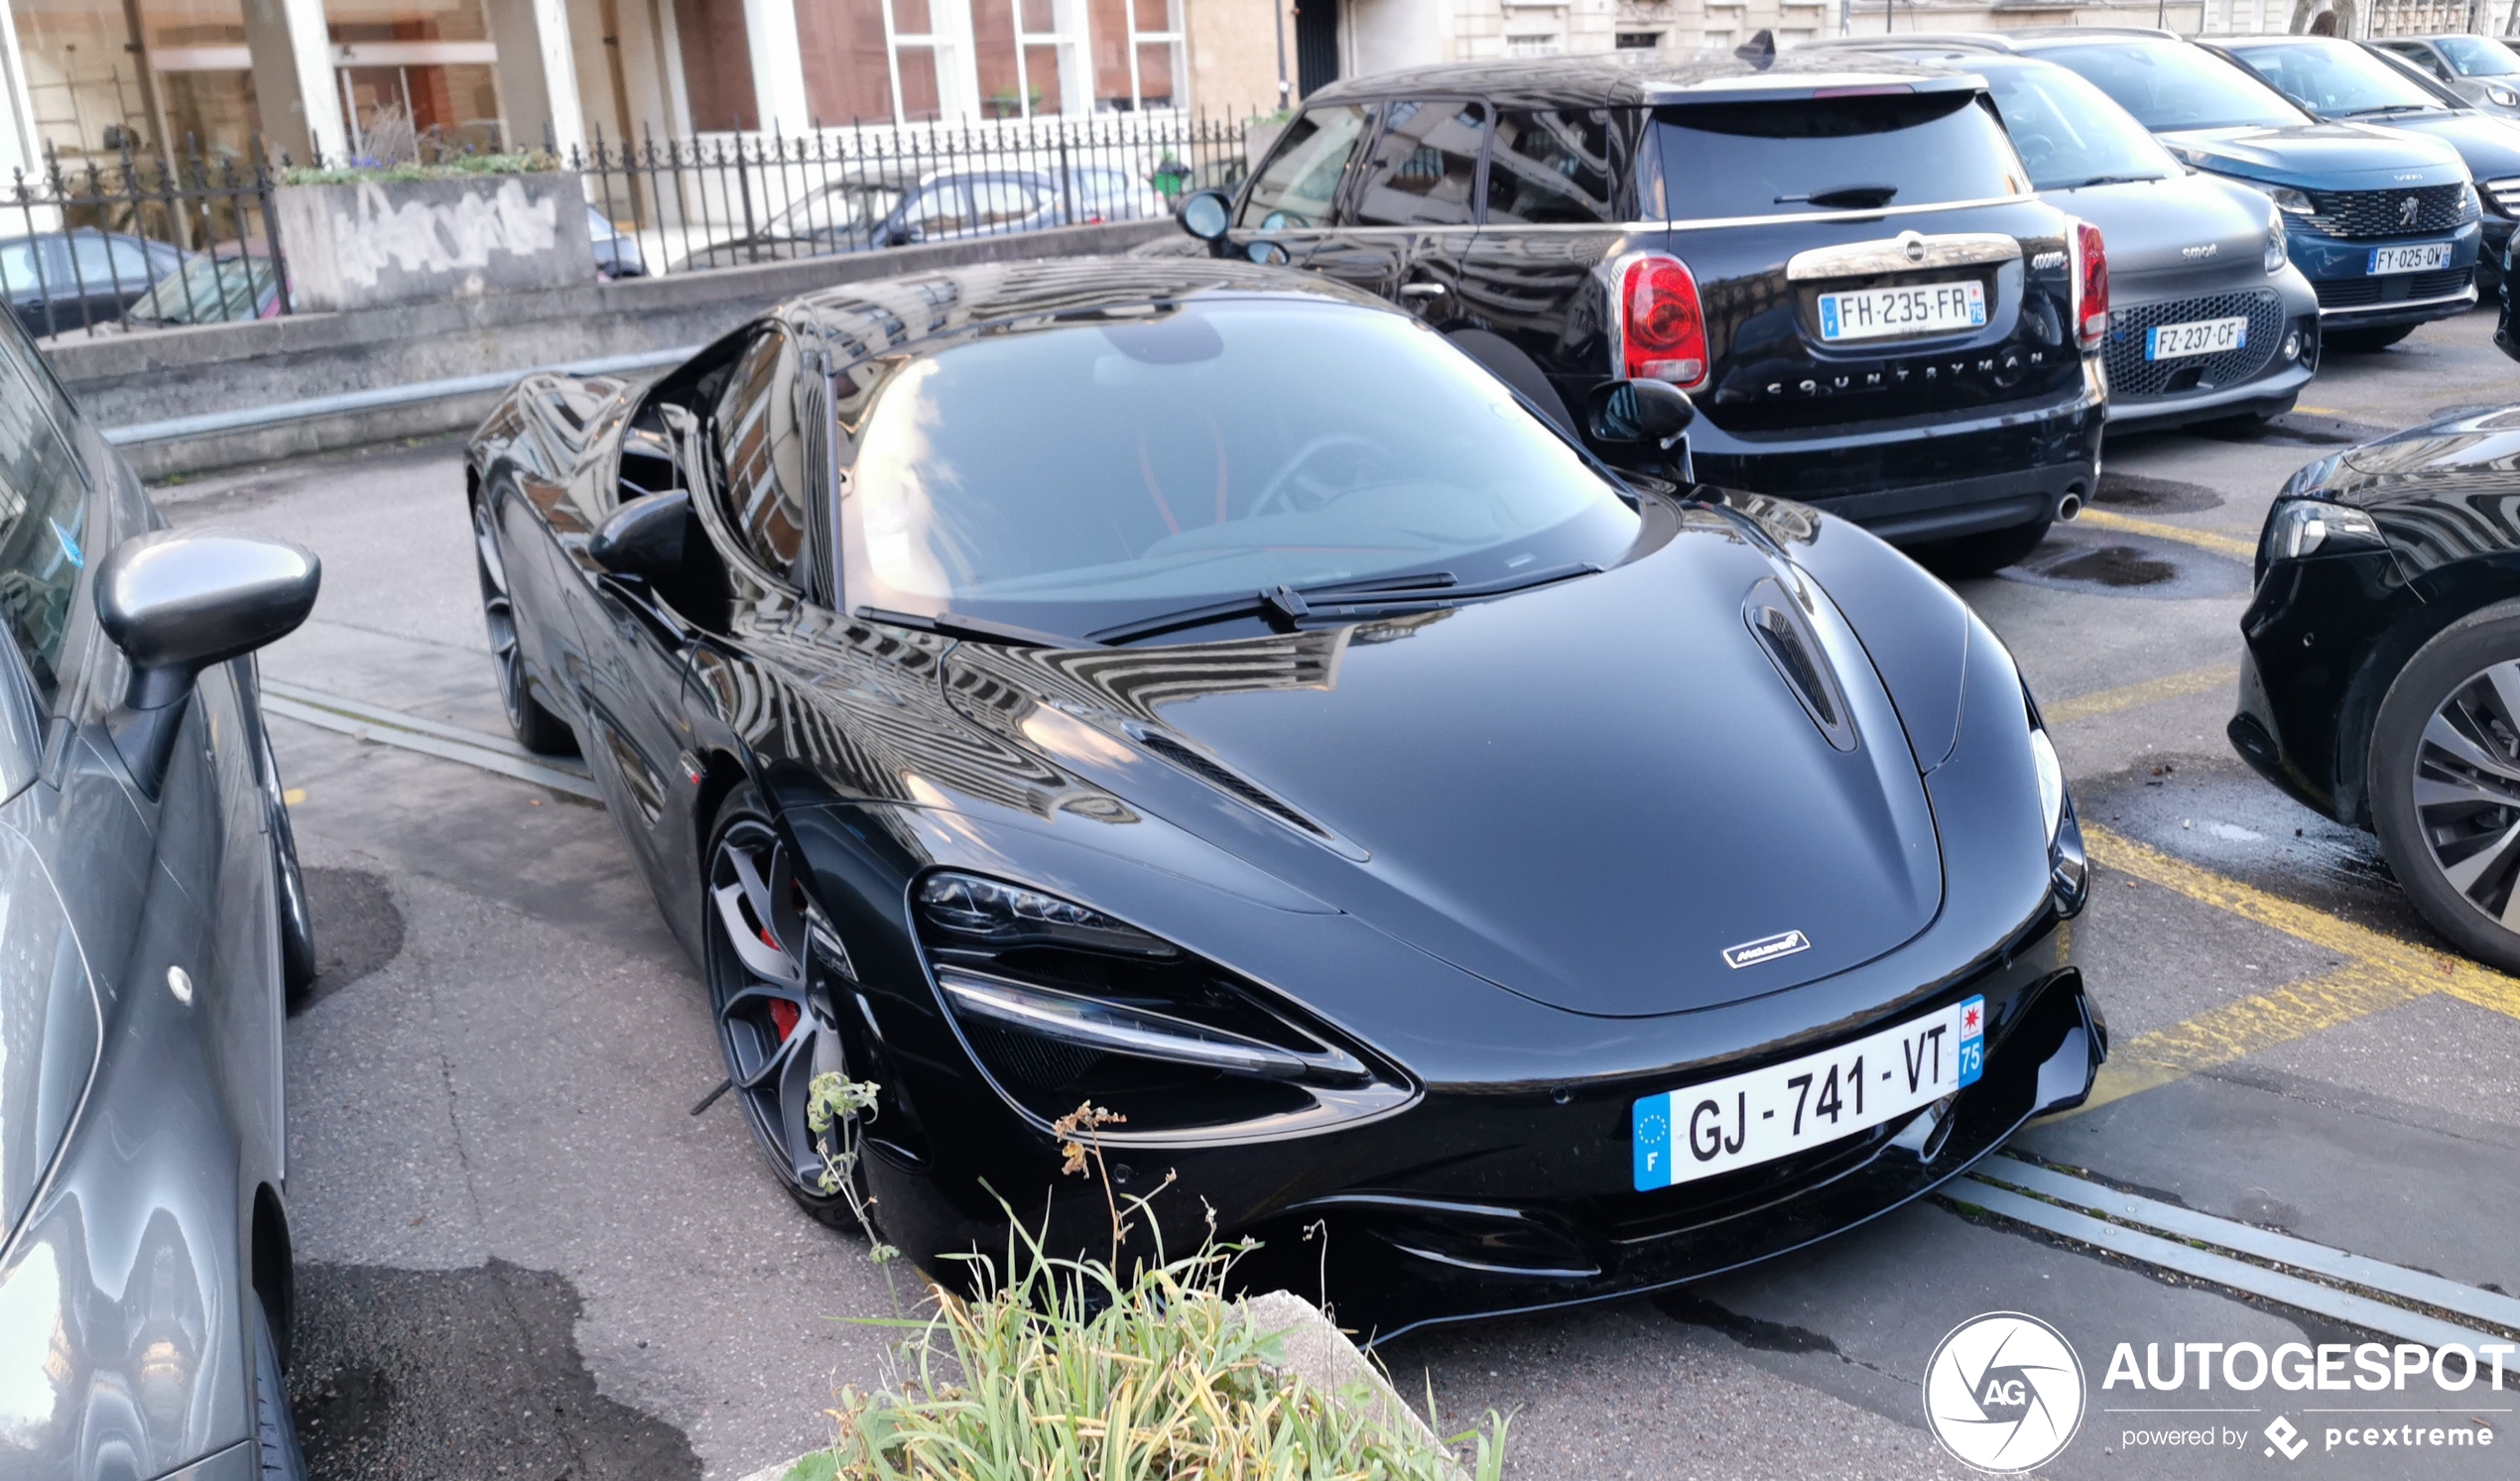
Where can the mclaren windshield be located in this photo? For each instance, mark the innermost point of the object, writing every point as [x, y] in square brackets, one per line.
[1090, 476]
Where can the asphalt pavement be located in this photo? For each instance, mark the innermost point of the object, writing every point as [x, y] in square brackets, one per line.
[522, 1254]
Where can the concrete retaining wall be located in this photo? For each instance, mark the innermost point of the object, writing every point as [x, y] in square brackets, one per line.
[125, 379]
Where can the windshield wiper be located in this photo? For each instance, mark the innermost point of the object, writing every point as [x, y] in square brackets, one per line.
[1851, 197]
[976, 629]
[2392, 108]
[1285, 605]
[2105, 180]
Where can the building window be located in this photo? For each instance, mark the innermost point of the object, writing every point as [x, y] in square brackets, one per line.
[1548, 44]
[419, 65]
[1640, 41]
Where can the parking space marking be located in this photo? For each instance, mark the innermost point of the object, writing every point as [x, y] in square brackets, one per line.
[2203, 540]
[2240, 1029]
[2435, 971]
[2150, 691]
[2381, 972]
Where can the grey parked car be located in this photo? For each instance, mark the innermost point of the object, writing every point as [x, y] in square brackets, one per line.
[2484, 71]
[151, 925]
[2209, 319]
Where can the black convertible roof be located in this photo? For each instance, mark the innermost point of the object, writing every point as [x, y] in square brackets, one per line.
[1618, 78]
[889, 314]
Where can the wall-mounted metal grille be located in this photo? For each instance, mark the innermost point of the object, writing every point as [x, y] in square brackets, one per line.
[2363, 292]
[2132, 377]
[2376, 213]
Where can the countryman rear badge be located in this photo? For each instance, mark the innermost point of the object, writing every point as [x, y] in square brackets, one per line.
[1765, 948]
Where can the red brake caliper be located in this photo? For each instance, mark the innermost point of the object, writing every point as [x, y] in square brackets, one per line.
[783, 1013]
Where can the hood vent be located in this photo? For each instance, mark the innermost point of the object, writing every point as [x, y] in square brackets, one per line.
[1779, 621]
[1225, 780]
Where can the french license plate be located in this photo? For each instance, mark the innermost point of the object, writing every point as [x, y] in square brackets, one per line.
[1871, 313]
[2204, 336]
[2423, 257]
[1760, 1115]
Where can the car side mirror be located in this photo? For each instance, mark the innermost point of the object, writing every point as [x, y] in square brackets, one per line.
[175, 602]
[1620, 413]
[645, 537]
[1205, 214]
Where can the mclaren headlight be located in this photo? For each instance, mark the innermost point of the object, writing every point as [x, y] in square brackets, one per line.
[1061, 1003]
[2068, 869]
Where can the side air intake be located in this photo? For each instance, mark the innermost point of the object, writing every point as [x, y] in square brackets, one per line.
[1777, 619]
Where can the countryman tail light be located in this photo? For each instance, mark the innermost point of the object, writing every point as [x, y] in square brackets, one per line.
[1662, 328]
[2090, 286]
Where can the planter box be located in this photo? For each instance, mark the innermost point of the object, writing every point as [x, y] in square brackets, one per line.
[370, 245]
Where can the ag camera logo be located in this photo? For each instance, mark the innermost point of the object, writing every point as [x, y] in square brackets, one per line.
[2004, 1392]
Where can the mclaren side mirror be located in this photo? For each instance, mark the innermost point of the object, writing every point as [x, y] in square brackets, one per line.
[175, 602]
[645, 537]
[1623, 412]
[1205, 214]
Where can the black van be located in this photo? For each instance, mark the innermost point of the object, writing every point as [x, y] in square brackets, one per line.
[1840, 258]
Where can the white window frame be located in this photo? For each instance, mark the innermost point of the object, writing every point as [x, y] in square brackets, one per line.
[1068, 37]
[947, 42]
[1171, 36]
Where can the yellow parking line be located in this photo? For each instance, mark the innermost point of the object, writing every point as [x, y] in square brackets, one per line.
[2381, 972]
[2203, 540]
[2150, 691]
[2317, 411]
[2240, 1029]
[2438, 970]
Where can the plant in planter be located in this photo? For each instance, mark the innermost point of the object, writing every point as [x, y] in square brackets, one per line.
[1065, 1370]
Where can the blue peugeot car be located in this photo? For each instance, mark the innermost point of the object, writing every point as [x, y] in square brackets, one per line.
[2385, 224]
[2337, 80]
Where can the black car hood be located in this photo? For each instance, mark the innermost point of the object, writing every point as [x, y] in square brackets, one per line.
[2489, 144]
[2320, 156]
[1587, 794]
[2441, 493]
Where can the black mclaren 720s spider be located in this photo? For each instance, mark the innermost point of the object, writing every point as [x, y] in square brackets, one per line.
[1203, 691]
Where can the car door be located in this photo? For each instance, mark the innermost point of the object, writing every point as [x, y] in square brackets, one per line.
[106, 273]
[737, 444]
[1406, 220]
[1002, 203]
[1287, 209]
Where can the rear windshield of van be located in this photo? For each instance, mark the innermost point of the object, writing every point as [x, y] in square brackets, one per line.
[1813, 155]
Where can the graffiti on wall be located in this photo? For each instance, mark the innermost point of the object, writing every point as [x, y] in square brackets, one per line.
[446, 236]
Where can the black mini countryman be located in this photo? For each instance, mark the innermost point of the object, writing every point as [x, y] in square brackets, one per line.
[1840, 258]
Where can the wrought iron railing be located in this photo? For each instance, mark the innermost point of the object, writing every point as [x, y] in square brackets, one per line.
[727, 201]
[119, 243]
[123, 242]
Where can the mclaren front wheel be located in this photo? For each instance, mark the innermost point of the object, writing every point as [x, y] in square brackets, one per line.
[537, 728]
[776, 1031]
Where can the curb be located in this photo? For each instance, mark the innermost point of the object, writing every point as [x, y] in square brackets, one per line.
[1319, 1353]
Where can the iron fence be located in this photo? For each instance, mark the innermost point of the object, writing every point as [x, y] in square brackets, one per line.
[121, 243]
[690, 204]
[126, 241]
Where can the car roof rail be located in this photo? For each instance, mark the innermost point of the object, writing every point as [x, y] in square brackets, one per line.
[2050, 33]
[1917, 41]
